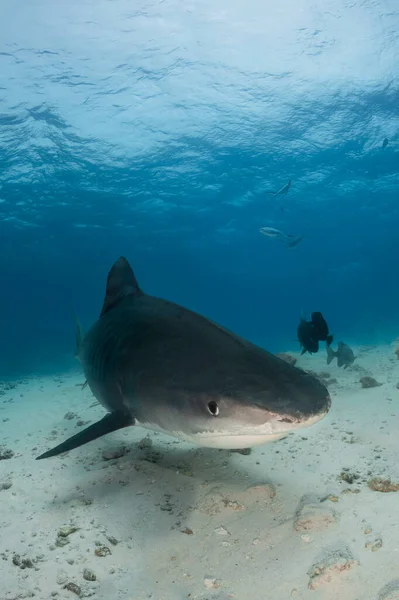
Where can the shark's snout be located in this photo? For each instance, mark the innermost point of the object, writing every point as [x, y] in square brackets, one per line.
[303, 417]
[312, 400]
[303, 400]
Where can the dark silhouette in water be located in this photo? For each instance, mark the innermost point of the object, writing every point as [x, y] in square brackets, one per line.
[310, 333]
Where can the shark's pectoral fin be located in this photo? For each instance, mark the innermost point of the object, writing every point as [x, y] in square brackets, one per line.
[111, 422]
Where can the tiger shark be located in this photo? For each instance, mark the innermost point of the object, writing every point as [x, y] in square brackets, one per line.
[152, 363]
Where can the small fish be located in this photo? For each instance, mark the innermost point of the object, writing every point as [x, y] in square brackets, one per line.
[385, 143]
[283, 191]
[272, 232]
[289, 240]
[310, 333]
[344, 355]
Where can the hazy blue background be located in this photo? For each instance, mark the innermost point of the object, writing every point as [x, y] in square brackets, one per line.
[154, 130]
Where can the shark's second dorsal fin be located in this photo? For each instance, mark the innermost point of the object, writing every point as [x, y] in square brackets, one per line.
[121, 283]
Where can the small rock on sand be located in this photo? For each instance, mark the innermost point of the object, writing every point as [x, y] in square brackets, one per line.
[210, 583]
[263, 491]
[5, 485]
[5, 453]
[145, 443]
[329, 565]
[115, 453]
[62, 577]
[89, 575]
[390, 591]
[102, 551]
[74, 588]
[369, 382]
[66, 531]
[70, 415]
[221, 531]
[312, 515]
[383, 485]
[374, 545]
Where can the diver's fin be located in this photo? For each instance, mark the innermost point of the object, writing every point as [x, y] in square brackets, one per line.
[111, 422]
[121, 283]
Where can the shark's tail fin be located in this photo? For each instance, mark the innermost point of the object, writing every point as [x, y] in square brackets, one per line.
[330, 355]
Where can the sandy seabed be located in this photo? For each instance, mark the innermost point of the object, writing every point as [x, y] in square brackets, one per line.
[138, 515]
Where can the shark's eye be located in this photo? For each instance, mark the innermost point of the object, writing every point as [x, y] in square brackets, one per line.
[213, 408]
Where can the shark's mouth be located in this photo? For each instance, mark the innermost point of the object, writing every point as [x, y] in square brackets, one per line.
[251, 438]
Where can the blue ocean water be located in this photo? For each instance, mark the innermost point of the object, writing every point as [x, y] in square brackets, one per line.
[156, 129]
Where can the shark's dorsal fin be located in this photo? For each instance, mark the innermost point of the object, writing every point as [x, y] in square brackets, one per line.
[121, 282]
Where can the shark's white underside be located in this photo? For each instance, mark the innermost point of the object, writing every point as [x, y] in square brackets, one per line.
[238, 439]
